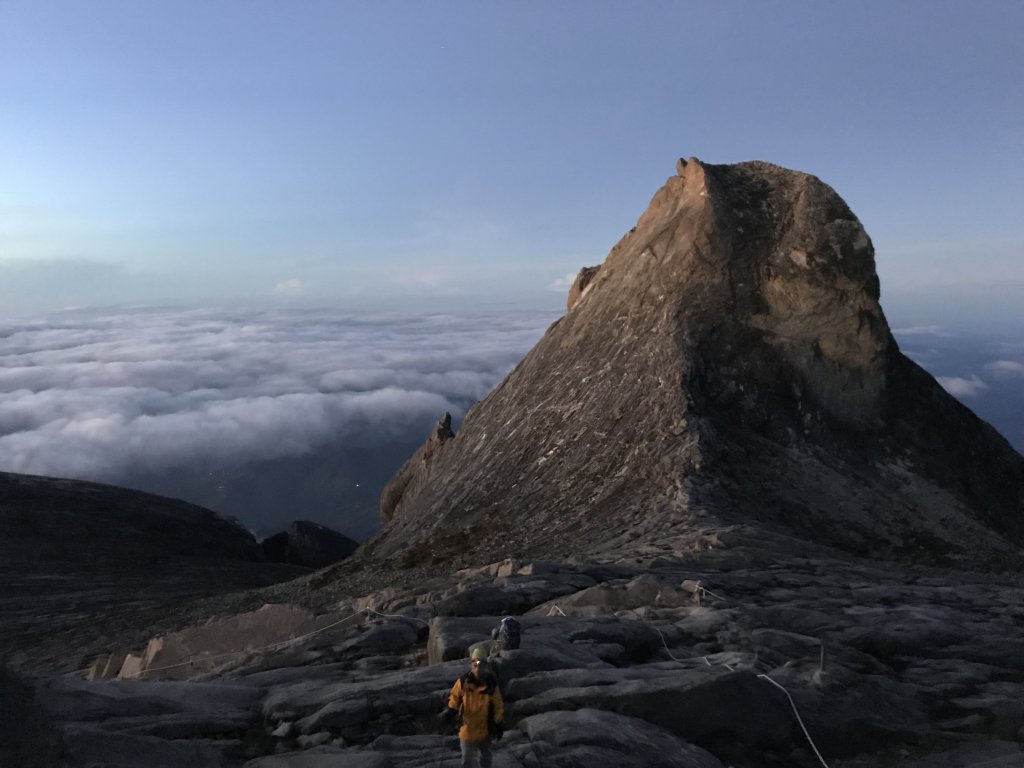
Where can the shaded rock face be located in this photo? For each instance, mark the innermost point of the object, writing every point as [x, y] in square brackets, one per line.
[728, 362]
[308, 544]
[28, 738]
[414, 473]
[83, 566]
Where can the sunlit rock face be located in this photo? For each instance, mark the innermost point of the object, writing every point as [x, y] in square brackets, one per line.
[728, 363]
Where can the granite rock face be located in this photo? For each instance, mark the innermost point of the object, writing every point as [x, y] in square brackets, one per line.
[728, 363]
[308, 544]
[411, 475]
[85, 566]
[580, 285]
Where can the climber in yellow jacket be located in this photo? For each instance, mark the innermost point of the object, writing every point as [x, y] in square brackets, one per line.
[476, 698]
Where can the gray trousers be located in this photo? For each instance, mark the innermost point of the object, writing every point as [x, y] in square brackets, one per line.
[476, 755]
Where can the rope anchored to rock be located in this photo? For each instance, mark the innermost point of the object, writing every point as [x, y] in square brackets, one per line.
[700, 590]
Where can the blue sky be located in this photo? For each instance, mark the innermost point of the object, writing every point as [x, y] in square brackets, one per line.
[282, 166]
[457, 154]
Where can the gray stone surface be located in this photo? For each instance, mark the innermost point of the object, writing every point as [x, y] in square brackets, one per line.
[690, 674]
[84, 567]
[591, 737]
[323, 757]
[101, 748]
[721, 502]
[985, 754]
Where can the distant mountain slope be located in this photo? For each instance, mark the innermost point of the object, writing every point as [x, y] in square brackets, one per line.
[81, 563]
[728, 364]
[337, 485]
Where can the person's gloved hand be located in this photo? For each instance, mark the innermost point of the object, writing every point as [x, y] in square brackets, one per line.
[499, 731]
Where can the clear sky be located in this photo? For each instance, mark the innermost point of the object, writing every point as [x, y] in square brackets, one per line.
[393, 154]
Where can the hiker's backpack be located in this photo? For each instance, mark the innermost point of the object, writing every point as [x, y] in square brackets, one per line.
[509, 633]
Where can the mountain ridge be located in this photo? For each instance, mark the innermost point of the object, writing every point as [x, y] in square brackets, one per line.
[85, 565]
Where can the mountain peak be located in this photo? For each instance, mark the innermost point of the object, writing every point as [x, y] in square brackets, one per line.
[754, 255]
[727, 364]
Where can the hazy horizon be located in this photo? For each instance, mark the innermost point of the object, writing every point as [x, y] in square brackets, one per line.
[189, 192]
[285, 414]
[420, 157]
[181, 402]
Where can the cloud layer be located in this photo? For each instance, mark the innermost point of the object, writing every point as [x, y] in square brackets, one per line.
[961, 387]
[245, 412]
[103, 397]
[983, 372]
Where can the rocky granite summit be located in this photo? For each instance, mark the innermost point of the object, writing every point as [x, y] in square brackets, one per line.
[738, 526]
[728, 363]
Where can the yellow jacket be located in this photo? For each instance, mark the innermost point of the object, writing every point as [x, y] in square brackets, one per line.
[480, 705]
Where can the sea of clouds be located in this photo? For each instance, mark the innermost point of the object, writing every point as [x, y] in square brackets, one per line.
[119, 395]
[105, 396]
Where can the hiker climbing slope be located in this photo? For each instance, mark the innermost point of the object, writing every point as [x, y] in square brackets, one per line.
[506, 636]
[476, 699]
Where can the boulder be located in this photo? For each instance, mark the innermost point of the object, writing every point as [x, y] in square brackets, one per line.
[704, 706]
[451, 637]
[590, 737]
[381, 639]
[361, 709]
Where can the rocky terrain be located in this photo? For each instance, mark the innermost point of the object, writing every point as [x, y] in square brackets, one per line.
[739, 527]
[84, 565]
[672, 660]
